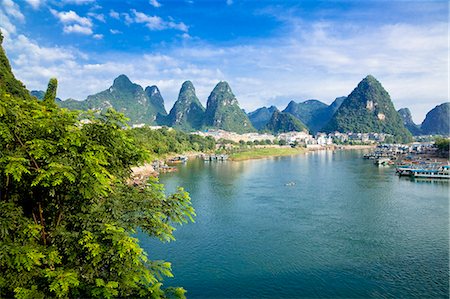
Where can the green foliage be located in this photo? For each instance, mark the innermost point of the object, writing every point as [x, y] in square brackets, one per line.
[437, 121]
[361, 111]
[282, 142]
[281, 122]
[124, 96]
[260, 117]
[50, 94]
[405, 114]
[313, 113]
[7, 79]
[67, 215]
[187, 113]
[442, 144]
[223, 111]
[246, 153]
[164, 141]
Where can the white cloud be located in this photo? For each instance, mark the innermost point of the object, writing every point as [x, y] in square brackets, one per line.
[113, 31]
[98, 16]
[98, 36]
[114, 14]
[186, 36]
[66, 17]
[76, 28]
[78, 2]
[35, 3]
[157, 23]
[155, 3]
[73, 23]
[12, 9]
[128, 19]
[308, 62]
[6, 25]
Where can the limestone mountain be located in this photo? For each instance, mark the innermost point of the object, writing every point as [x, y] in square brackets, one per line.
[437, 120]
[223, 111]
[187, 113]
[124, 96]
[310, 112]
[261, 116]
[335, 105]
[7, 80]
[313, 113]
[155, 99]
[367, 109]
[408, 121]
[282, 122]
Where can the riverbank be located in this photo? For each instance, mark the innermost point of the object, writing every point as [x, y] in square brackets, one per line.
[265, 152]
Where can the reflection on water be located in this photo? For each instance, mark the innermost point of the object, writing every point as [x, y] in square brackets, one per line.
[345, 228]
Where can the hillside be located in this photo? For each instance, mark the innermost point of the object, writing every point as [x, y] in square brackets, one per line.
[408, 121]
[282, 122]
[187, 112]
[124, 96]
[437, 120]
[261, 116]
[223, 111]
[367, 109]
[313, 113]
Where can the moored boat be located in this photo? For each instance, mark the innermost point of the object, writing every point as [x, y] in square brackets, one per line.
[441, 173]
[177, 160]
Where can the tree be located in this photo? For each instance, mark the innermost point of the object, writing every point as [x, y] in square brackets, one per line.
[50, 94]
[67, 214]
[443, 145]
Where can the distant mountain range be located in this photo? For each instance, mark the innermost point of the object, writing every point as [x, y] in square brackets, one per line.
[367, 109]
[436, 121]
[147, 106]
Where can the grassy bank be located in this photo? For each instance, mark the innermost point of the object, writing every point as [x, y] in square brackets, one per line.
[259, 153]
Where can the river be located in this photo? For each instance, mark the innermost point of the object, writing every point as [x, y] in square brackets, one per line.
[318, 225]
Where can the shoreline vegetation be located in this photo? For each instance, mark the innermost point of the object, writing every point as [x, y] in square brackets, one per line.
[266, 152]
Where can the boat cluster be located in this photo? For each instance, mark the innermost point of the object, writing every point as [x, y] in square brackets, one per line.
[410, 160]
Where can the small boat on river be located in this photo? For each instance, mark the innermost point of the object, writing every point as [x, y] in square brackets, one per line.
[177, 160]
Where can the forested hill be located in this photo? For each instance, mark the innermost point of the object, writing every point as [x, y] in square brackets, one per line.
[139, 105]
[437, 120]
[187, 112]
[223, 111]
[367, 109]
[408, 121]
[282, 122]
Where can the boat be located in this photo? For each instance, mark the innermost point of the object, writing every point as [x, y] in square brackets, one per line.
[405, 170]
[441, 173]
[177, 160]
[383, 162]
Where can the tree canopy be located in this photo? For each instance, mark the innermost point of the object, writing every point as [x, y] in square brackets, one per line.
[68, 218]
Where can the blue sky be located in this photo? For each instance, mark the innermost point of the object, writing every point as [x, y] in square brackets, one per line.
[271, 52]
